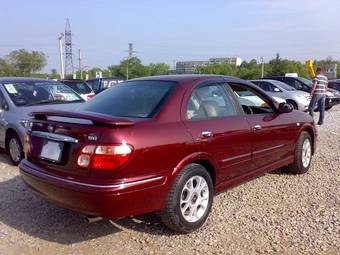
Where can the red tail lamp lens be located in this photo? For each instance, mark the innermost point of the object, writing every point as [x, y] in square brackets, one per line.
[104, 157]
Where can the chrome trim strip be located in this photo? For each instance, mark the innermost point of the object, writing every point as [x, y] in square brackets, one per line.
[122, 185]
[268, 149]
[55, 137]
[236, 157]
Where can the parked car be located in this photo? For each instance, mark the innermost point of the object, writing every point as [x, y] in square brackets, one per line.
[19, 97]
[334, 84]
[298, 99]
[100, 84]
[166, 143]
[299, 83]
[79, 86]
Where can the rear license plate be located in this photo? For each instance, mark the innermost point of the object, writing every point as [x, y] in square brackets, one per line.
[51, 151]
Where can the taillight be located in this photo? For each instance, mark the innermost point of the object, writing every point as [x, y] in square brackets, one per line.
[90, 96]
[104, 157]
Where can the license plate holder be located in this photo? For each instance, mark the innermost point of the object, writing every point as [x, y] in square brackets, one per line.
[52, 151]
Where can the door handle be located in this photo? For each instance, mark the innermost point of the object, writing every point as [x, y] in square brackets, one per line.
[206, 134]
[257, 127]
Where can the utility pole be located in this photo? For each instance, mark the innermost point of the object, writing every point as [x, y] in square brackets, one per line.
[262, 67]
[68, 48]
[80, 66]
[62, 72]
[130, 55]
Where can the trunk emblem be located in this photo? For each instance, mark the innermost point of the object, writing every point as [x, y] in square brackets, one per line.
[92, 138]
[50, 128]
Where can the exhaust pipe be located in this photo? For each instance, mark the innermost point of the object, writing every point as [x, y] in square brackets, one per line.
[92, 218]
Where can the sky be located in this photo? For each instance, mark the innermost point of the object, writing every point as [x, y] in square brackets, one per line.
[170, 31]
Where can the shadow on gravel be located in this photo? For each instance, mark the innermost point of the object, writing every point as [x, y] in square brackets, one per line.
[150, 223]
[4, 158]
[25, 212]
[281, 171]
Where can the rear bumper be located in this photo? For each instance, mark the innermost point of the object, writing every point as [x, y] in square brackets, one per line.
[106, 200]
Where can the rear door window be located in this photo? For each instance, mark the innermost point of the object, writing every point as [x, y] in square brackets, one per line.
[209, 102]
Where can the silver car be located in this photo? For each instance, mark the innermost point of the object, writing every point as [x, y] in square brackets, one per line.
[21, 96]
[296, 98]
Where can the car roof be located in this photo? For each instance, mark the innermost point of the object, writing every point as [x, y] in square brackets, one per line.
[264, 79]
[106, 78]
[189, 77]
[22, 79]
[75, 80]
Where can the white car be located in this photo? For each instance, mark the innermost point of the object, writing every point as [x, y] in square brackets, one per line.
[80, 87]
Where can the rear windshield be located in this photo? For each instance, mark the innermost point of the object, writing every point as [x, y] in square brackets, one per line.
[136, 99]
[78, 86]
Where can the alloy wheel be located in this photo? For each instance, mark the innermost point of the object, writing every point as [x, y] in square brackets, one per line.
[306, 153]
[14, 150]
[194, 199]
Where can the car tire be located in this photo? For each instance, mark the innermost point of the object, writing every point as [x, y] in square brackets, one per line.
[189, 200]
[14, 149]
[303, 154]
[293, 104]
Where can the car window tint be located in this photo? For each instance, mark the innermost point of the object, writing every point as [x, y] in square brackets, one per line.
[210, 102]
[251, 101]
[266, 86]
[78, 86]
[290, 82]
[94, 84]
[140, 99]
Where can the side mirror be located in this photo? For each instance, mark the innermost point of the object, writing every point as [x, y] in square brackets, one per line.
[277, 90]
[285, 107]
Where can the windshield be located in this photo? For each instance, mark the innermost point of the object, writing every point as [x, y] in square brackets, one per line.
[282, 85]
[80, 87]
[29, 93]
[94, 84]
[139, 99]
[306, 81]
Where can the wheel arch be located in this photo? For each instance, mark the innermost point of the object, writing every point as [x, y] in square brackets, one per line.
[292, 101]
[312, 136]
[200, 158]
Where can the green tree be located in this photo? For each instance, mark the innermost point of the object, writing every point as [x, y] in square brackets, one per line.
[134, 67]
[27, 62]
[276, 65]
[54, 74]
[158, 69]
[6, 69]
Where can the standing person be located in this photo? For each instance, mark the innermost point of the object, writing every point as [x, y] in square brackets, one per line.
[318, 94]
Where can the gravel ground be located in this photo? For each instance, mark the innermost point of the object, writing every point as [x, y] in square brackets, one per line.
[277, 213]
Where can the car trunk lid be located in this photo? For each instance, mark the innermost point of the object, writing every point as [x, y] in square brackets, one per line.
[56, 138]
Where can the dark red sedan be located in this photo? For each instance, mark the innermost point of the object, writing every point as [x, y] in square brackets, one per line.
[165, 144]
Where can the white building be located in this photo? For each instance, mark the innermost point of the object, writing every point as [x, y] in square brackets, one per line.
[187, 67]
